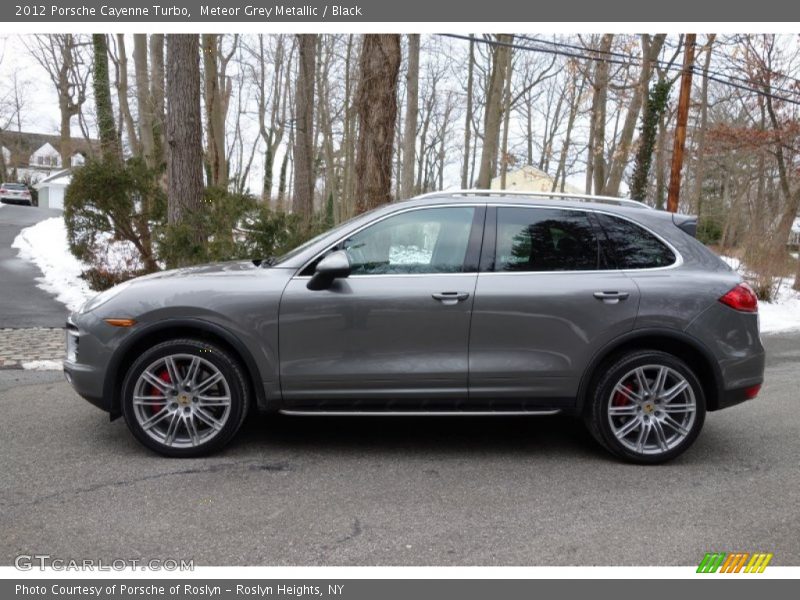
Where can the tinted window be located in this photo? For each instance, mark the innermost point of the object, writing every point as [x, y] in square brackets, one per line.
[430, 240]
[634, 247]
[542, 239]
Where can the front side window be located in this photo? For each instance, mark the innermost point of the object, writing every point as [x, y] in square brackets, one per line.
[430, 240]
[543, 239]
[632, 246]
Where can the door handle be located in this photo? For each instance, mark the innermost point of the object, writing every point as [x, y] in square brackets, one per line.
[450, 298]
[611, 297]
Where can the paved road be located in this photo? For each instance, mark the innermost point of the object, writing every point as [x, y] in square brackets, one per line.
[397, 492]
[22, 304]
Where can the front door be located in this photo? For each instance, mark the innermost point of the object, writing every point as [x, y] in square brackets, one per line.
[395, 333]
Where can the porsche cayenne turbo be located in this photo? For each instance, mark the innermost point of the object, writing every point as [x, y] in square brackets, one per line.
[455, 303]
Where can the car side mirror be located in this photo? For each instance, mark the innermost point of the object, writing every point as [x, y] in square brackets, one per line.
[334, 266]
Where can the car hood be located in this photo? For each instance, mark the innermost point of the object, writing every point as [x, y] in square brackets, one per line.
[224, 268]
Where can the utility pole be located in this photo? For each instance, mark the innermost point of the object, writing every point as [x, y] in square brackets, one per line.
[680, 128]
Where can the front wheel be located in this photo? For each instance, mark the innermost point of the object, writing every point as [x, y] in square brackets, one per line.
[184, 398]
[648, 407]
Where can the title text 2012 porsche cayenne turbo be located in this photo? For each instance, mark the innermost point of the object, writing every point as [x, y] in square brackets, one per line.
[453, 303]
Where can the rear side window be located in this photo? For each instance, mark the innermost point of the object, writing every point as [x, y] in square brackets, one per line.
[634, 247]
[543, 239]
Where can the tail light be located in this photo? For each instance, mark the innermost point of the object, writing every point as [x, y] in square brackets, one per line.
[752, 391]
[742, 298]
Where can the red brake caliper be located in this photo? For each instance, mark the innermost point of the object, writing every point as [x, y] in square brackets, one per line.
[621, 399]
[154, 391]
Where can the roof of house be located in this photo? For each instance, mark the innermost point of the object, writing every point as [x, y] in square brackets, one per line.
[61, 177]
[22, 145]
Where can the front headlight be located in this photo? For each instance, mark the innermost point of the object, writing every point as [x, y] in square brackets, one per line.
[103, 297]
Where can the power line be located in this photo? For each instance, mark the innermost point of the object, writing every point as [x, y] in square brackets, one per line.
[665, 65]
[717, 77]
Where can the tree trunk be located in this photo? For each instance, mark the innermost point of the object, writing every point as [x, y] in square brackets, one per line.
[412, 112]
[122, 95]
[184, 131]
[215, 111]
[144, 100]
[465, 170]
[599, 99]
[157, 94]
[109, 142]
[699, 172]
[652, 116]
[501, 60]
[303, 202]
[377, 111]
[650, 51]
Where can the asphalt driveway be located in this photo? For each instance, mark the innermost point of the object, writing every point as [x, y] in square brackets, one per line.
[367, 491]
[22, 304]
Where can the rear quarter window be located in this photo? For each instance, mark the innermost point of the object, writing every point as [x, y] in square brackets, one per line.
[633, 247]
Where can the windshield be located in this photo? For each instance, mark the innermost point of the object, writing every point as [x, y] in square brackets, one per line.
[14, 186]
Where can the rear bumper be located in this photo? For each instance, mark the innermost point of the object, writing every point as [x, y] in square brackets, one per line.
[728, 398]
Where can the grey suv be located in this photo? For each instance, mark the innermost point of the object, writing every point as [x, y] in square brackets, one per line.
[464, 303]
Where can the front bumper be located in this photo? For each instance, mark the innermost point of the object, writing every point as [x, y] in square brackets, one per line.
[86, 363]
[87, 382]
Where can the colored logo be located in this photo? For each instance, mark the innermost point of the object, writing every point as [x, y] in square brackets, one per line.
[734, 562]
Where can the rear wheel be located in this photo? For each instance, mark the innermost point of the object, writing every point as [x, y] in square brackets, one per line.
[648, 407]
[184, 398]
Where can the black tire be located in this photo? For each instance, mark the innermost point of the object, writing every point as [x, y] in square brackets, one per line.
[596, 414]
[234, 379]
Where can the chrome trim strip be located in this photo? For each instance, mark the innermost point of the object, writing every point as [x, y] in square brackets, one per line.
[537, 194]
[419, 413]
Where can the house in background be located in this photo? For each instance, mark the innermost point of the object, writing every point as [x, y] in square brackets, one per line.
[51, 189]
[31, 157]
[530, 179]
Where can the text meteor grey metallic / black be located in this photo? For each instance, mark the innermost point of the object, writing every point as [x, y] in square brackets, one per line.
[458, 303]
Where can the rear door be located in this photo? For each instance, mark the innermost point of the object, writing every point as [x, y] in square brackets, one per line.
[546, 300]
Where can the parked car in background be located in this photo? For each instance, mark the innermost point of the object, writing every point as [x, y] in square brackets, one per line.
[459, 303]
[15, 193]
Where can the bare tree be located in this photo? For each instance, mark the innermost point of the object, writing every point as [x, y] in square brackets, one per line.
[109, 142]
[217, 87]
[63, 57]
[493, 114]
[412, 113]
[377, 111]
[303, 202]
[184, 130]
[598, 126]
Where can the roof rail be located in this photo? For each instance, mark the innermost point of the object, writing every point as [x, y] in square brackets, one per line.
[543, 195]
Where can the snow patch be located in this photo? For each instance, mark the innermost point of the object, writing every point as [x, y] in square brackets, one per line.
[45, 245]
[43, 365]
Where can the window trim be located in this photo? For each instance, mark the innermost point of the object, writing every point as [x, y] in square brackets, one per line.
[476, 236]
[488, 263]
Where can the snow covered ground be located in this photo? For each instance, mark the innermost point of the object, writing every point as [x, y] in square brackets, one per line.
[45, 244]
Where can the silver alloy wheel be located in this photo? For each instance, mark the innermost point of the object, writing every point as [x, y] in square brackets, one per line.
[181, 400]
[652, 409]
